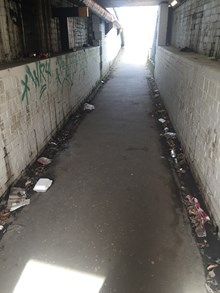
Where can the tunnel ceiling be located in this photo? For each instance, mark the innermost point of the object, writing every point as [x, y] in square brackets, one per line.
[120, 3]
[109, 3]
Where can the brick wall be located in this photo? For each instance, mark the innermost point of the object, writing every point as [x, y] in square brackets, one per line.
[70, 32]
[35, 99]
[190, 87]
[80, 27]
[196, 24]
[55, 35]
[10, 42]
[97, 30]
[42, 30]
[46, 29]
[77, 31]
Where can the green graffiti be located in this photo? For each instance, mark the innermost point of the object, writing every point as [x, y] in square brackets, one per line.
[26, 88]
[66, 67]
[39, 77]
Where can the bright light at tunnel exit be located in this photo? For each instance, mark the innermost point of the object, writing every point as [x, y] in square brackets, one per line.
[139, 27]
[44, 278]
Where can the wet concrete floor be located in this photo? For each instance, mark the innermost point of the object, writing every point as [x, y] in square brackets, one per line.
[113, 211]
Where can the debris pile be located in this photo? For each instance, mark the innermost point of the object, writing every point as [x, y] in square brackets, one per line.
[32, 180]
[17, 199]
[206, 233]
[197, 215]
[170, 136]
[211, 280]
[37, 169]
[4, 218]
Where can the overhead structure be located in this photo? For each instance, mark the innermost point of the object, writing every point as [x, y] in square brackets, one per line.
[97, 9]
[124, 3]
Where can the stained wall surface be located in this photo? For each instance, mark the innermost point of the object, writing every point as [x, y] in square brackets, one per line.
[196, 25]
[35, 100]
[190, 87]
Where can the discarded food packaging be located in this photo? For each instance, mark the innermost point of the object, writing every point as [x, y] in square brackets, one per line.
[161, 120]
[44, 161]
[17, 198]
[42, 185]
[20, 204]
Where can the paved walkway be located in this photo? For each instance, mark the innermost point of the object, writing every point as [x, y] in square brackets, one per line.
[112, 218]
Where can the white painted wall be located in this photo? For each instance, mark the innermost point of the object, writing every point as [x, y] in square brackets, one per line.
[111, 44]
[196, 24]
[190, 87]
[162, 24]
[35, 99]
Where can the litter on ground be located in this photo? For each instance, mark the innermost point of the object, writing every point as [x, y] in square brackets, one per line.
[17, 199]
[44, 161]
[42, 185]
[161, 120]
[88, 107]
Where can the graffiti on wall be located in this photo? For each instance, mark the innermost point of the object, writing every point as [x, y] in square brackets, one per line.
[66, 68]
[39, 76]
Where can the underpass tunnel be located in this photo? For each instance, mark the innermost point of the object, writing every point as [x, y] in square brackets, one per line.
[109, 146]
[138, 25]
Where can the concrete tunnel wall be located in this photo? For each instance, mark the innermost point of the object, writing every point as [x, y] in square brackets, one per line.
[41, 33]
[196, 25]
[37, 98]
[189, 84]
[31, 27]
[10, 43]
[111, 45]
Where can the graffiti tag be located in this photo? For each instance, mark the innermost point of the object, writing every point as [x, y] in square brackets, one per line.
[39, 76]
[66, 67]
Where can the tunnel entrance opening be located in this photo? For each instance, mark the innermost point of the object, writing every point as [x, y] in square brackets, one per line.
[138, 27]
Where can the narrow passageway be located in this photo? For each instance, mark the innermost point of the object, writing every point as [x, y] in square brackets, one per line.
[113, 210]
